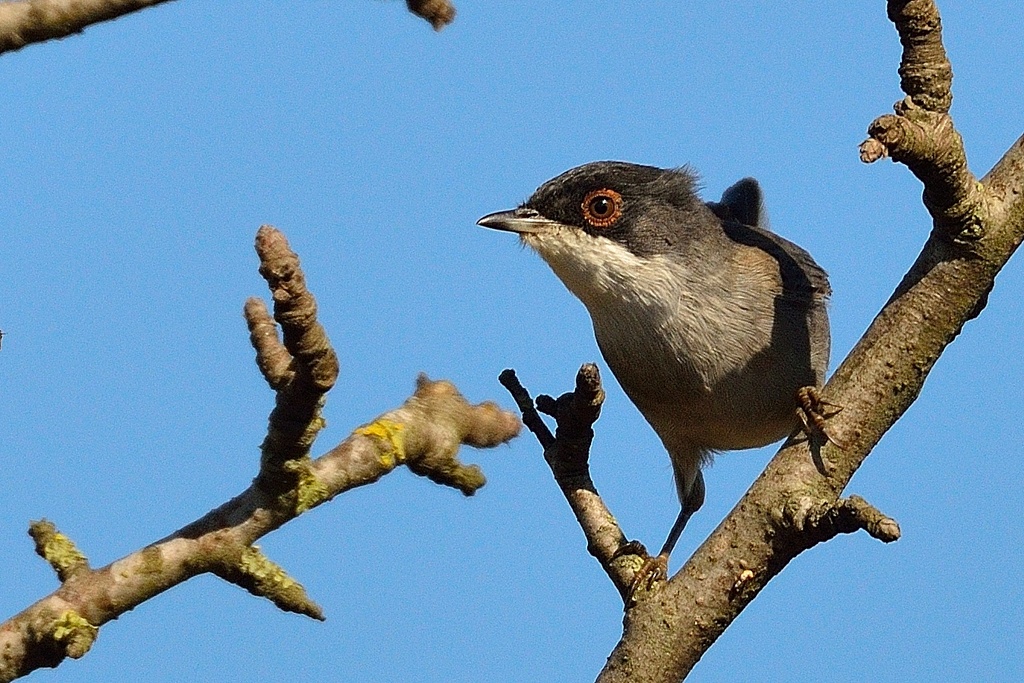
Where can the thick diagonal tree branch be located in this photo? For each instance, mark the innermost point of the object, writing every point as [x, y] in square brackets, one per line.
[425, 434]
[794, 505]
[23, 22]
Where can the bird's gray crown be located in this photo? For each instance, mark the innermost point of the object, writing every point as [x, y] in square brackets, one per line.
[660, 209]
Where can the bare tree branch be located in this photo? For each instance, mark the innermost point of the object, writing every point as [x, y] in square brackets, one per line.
[23, 22]
[424, 433]
[568, 453]
[57, 549]
[301, 370]
[35, 21]
[795, 503]
[439, 13]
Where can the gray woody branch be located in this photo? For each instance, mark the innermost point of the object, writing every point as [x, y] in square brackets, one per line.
[23, 22]
[795, 503]
[424, 434]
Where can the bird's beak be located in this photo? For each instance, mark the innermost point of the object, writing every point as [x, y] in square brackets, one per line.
[522, 220]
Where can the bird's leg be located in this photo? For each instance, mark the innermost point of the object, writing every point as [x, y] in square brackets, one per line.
[813, 411]
[675, 531]
[655, 568]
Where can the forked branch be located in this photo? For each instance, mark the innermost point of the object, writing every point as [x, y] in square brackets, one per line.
[424, 433]
[795, 504]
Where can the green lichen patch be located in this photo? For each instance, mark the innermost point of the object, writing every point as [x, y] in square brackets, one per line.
[390, 438]
[260, 576]
[309, 491]
[75, 633]
[57, 549]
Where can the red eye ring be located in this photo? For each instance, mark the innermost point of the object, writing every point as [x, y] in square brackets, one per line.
[602, 208]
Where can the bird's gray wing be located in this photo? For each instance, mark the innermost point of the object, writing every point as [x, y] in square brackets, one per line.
[745, 221]
[802, 277]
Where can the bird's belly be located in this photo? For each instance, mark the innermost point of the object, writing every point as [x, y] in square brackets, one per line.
[720, 418]
[718, 430]
[712, 391]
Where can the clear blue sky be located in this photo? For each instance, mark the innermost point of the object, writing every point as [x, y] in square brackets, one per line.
[139, 158]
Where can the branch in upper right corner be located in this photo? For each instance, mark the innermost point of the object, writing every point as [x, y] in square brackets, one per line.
[921, 133]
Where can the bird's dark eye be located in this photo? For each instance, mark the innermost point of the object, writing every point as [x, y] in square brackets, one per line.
[601, 208]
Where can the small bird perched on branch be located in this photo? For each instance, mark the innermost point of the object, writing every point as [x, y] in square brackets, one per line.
[715, 327]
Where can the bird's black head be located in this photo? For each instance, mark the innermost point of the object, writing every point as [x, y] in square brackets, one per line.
[648, 210]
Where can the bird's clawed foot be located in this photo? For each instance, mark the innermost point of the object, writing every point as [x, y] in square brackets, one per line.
[813, 412]
[631, 548]
[653, 570]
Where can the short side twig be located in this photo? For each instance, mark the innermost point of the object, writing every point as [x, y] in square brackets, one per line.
[568, 453]
[301, 368]
[819, 521]
[57, 549]
[921, 134]
[439, 13]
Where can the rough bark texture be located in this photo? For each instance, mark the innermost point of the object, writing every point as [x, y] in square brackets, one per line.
[34, 21]
[567, 452]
